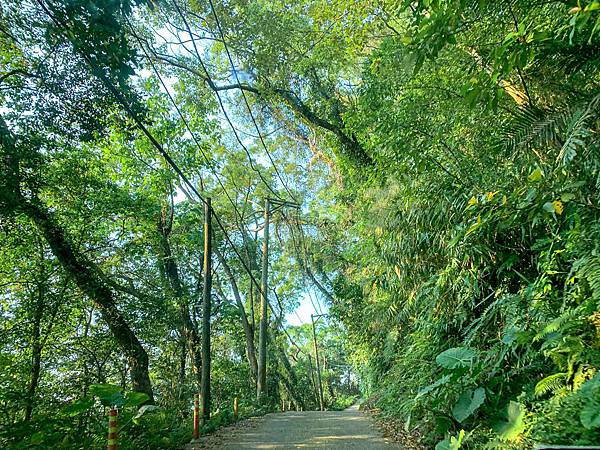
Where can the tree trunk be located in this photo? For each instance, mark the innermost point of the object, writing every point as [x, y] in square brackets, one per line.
[182, 367]
[206, 313]
[261, 379]
[36, 351]
[311, 374]
[172, 273]
[291, 381]
[9, 170]
[89, 279]
[87, 276]
[317, 283]
[248, 330]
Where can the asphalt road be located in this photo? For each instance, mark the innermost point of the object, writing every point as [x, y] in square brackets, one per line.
[349, 429]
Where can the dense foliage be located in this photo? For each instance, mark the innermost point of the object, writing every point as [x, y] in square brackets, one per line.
[473, 252]
[447, 162]
[101, 255]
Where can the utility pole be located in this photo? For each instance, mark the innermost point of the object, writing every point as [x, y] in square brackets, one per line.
[313, 383]
[314, 332]
[261, 379]
[206, 311]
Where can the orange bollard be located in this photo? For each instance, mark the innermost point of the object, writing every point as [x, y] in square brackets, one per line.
[196, 416]
[112, 429]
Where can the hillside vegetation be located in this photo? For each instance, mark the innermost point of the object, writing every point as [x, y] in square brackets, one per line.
[431, 170]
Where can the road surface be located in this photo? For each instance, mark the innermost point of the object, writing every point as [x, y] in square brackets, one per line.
[349, 429]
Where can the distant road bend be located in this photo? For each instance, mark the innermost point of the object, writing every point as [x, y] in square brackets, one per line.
[341, 430]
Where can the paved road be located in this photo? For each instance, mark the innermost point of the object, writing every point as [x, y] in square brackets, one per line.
[343, 430]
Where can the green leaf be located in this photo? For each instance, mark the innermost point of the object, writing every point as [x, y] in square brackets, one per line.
[457, 357]
[590, 415]
[444, 445]
[108, 394]
[468, 403]
[474, 227]
[552, 383]
[566, 197]
[452, 442]
[143, 410]
[536, 175]
[549, 207]
[37, 438]
[515, 425]
[473, 201]
[135, 398]
[432, 386]
[78, 406]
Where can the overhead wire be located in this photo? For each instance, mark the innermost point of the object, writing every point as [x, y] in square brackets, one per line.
[237, 79]
[131, 112]
[212, 85]
[298, 316]
[317, 307]
[303, 258]
[122, 100]
[312, 301]
[184, 120]
[279, 320]
[302, 240]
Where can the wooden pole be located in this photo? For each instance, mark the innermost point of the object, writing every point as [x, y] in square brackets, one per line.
[313, 383]
[196, 434]
[261, 379]
[235, 409]
[318, 364]
[206, 312]
[112, 429]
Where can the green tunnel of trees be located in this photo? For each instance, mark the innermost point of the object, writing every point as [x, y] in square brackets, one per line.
[445, 158]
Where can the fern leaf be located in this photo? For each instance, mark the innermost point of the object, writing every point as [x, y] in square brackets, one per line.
[558, 325]
[553, 383]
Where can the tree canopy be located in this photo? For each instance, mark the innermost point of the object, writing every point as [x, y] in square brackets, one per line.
[422, 175]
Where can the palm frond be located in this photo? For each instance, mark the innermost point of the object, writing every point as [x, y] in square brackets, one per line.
[559, 324]
[565, 130]
[578, 131]
[534, 126]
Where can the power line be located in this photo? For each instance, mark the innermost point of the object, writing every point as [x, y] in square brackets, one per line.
[310, 296]
[302, 255]
[318, 309]
[279, 320]
[214, 12]
[279, 316]
[170, 96]
[298, 316]
[187, 126]
[212, 85]
[121, 99]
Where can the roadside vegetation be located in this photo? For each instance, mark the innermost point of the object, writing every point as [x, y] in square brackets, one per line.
[432, 170]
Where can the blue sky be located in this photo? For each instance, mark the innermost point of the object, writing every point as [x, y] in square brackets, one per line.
[305, 309]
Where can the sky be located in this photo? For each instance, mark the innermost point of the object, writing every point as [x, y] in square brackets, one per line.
[307, 306]
[302, 314]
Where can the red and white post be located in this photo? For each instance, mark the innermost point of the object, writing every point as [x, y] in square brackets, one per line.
[196, 416]
[112, 429]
